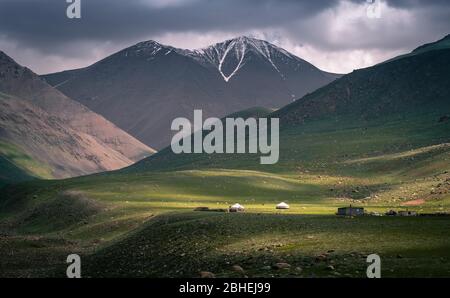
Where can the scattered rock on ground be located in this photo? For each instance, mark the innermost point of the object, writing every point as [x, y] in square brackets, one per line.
[206, 274]
[237, 268]
[281, 266]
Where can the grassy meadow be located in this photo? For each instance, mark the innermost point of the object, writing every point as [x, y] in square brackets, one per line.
[140, 221]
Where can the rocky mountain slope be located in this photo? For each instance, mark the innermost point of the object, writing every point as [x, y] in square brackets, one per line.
[143, 88]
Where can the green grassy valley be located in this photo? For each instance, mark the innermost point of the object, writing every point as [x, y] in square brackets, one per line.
[101, 216]
[378, 138]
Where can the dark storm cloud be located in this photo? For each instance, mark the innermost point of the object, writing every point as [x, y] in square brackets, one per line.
[39, 33]
[416, 3]
[43, 23]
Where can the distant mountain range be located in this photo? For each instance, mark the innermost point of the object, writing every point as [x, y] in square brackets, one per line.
[144, 87]
[43, 131]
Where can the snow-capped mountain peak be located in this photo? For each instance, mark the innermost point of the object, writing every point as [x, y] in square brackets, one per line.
[228, 58]
[231, 55]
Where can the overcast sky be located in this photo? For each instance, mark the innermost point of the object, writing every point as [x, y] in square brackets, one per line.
[336, 36]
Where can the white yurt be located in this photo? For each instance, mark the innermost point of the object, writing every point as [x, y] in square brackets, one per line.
[237, 208]
[282, 205]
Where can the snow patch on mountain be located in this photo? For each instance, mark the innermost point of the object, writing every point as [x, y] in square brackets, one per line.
[238, 49]
[239, 53]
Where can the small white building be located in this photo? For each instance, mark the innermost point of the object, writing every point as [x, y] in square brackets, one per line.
[282, 205]
[237, 208]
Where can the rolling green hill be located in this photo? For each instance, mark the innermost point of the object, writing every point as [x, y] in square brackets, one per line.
[441, 44]
[403, 89]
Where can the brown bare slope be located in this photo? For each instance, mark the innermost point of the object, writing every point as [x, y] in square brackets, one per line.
[58, 131]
